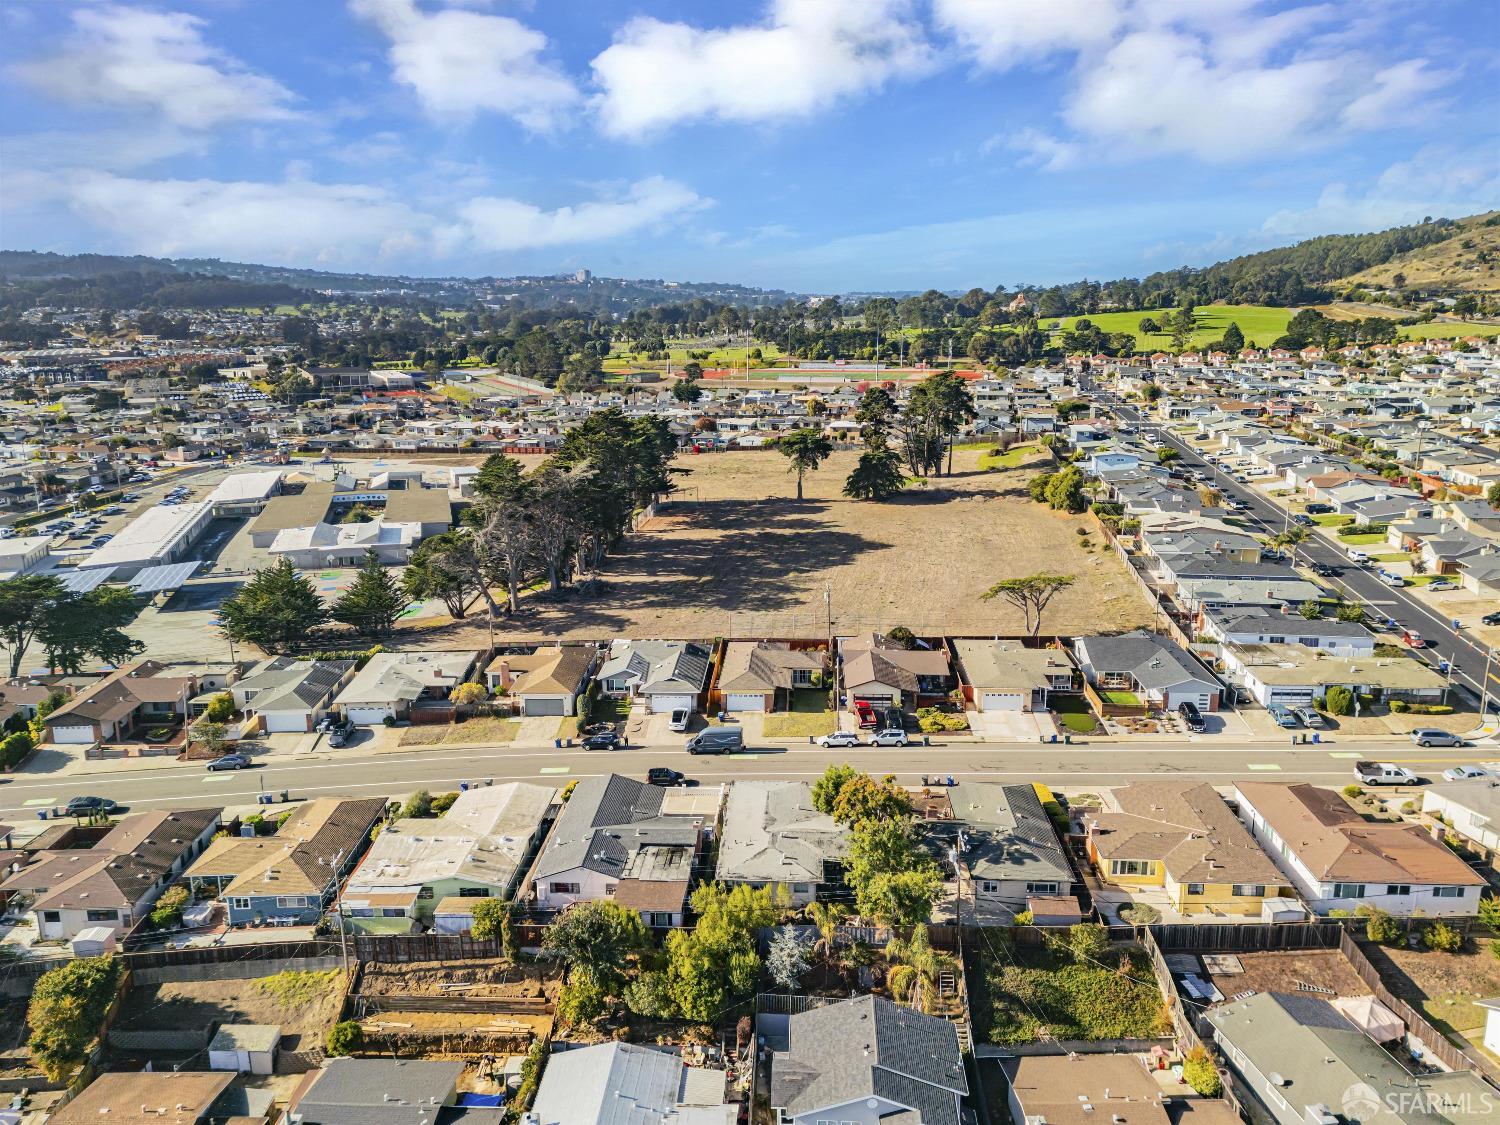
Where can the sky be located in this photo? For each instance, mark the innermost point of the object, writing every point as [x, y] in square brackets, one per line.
[810, 145]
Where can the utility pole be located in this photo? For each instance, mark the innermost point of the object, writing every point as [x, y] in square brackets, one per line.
[1484, 686]
[833, 660]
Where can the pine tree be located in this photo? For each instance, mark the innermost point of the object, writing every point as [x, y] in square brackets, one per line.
[374, 601]
[275, 607]
[877, 476]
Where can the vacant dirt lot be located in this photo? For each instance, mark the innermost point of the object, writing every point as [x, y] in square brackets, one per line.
[736, 555]
[305, 1005]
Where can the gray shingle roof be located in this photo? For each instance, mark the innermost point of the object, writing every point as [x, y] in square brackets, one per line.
[605, 821]
[1007, 834]
[1154, 661]
[870, 1047]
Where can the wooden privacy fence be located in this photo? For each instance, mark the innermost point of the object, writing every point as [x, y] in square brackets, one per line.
[1417, 1024]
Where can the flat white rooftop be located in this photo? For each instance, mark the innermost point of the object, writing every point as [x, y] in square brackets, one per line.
[150, 536]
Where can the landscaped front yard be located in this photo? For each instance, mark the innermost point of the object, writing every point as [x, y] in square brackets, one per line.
[1017, 993]
[1073, 713]
[1120, 698]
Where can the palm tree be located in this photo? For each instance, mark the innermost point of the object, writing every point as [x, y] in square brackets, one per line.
[828, 917]
[928, 963]
[806, 449]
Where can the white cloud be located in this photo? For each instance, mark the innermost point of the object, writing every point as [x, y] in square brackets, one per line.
[511, 224]
[805, 55]
[1396, 97]
[1436, 181]
[301, 221]
[462, 62]
[1000, 34]
[1161, 91]
[1222, 82]
[133, 59]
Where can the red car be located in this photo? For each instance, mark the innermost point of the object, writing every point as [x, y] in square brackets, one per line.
[1413, 638]
[865, 713]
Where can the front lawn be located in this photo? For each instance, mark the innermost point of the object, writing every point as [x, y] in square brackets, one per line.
[1120, 698]
[1364, 540]
[1332, 519]
[797, 724]
[474, 731]
[1073, 713]
[1017, 993]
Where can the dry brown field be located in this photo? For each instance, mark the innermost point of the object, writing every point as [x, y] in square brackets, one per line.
[734, 554]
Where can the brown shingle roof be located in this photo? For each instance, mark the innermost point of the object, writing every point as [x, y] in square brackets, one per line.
[1335, 843]
[1187, 826]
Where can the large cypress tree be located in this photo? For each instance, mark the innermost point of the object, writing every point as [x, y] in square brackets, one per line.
[274, 608]
[374, 601]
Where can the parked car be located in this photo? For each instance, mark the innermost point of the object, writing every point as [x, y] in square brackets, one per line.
[340, 734]
[661, 775]
[1391, 579]
[717, 740]
[1441, 587]
[1310, 718]
[1384, 773]
[889, 738]
[609, 740]
[230, 762]
[1304, 521]
[1356, 556]
[1433, 736]
[1192, 718]
[1465, 773]
[89, 806]
[1490, 618]
[1323, 570]
[839, 738]
[679, 720]
[1319, 509]
[865, 713]
[895, 718]
[1281, 716]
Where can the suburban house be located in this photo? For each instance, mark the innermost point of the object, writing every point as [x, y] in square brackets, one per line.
[594, 1085]
[1141, 668]
[1296, 1059]
[114, 883]
[1011, 853]
[391, 683]
[1337, 860]
[667, 675]
[763, 675]
[1007, 676]
[1075, 1087]
[474, 850]
[868, 1060]
[545, 682]
[291, 877]
[883, 674]
[124, 705]
[384, 1091]
[771, 834]
[1471, 808]
[1181, 837]
[289, 694]
[624, 840]
[1294, 675]
[1261, 626]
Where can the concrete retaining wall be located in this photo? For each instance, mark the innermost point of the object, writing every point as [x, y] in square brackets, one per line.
[232, 970]
[180, 1040]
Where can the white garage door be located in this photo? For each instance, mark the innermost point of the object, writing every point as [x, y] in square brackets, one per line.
[368, 716]
[1291, 696]
[665, 704]
[541, 705]
[744, 702]
[1002, 701]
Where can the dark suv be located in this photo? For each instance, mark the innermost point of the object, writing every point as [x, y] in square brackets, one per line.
[661, 775]
[1191, 716]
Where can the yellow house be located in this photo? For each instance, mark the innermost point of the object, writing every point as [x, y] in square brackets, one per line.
[1181, 837]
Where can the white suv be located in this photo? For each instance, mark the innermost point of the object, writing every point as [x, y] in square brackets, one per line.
[679, 720]
[889, 738]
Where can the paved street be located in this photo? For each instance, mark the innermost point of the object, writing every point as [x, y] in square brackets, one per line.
[1071, 769]
[1357, 584]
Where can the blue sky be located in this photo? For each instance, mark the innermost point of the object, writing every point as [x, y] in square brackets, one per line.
[812, 145]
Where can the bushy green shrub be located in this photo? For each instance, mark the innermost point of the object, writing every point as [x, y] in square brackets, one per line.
[1442, 938]
[345, 1038]
[1380, 927]
[1338, 700]
[168, 909]
[1198, 1071]
[1399, 706]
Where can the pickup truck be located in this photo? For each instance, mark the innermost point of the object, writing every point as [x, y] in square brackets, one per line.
[1384, 773]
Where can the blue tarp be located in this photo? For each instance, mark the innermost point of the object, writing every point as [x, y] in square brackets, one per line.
[477, 1100]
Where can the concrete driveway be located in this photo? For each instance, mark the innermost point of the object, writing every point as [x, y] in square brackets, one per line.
[1011, 726]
